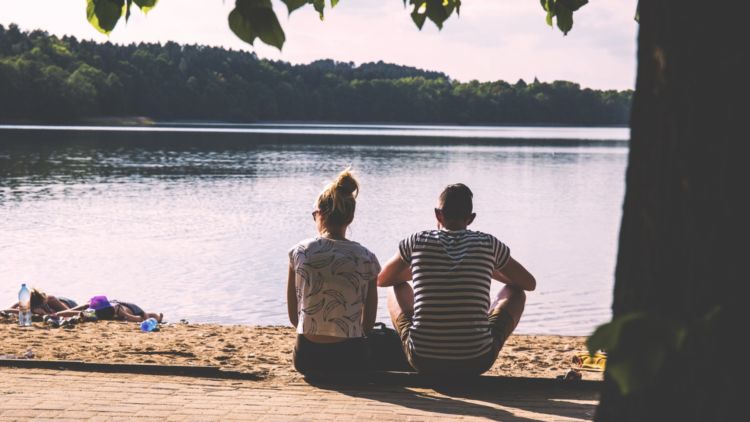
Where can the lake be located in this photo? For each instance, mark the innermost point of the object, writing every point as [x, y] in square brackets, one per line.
[196, 220]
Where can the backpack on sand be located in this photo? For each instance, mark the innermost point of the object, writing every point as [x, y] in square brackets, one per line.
[386, 352]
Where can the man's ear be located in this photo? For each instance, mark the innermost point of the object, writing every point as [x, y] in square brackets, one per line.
[439, 217]
[471, 218]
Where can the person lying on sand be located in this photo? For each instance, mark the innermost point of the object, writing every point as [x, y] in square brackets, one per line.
[44, 304]
[112, 310]
[446, 323]
[331, 292]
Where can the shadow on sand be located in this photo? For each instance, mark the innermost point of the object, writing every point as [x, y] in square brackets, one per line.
[494, 398]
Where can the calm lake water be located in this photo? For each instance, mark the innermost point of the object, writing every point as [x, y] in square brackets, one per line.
[195, 221]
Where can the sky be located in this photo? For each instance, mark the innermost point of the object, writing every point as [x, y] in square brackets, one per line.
[491, 40]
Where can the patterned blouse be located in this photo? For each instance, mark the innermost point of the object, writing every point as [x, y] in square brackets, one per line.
[332, 278]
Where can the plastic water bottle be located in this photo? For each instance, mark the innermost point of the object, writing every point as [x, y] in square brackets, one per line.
[24, 306]
[149, 325]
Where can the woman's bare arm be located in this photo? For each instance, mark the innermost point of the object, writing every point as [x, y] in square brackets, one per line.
[371, 306]
[291, 297]
[72, 312]
[67, 313]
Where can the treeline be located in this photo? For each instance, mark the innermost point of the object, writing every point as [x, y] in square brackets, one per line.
[46, 78]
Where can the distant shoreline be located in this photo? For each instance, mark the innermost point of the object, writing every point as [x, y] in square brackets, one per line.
[318, 133]
[144, 121]
[103, 81]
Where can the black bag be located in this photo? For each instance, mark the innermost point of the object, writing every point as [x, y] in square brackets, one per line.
[386, 352]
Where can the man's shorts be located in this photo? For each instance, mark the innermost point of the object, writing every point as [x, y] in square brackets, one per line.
[501, 326]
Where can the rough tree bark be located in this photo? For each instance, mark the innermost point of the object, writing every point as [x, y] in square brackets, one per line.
[683, 241]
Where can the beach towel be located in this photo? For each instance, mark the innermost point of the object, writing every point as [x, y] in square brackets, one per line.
[586, 362]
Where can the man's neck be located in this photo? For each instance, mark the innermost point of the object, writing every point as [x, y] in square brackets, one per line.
[454, 228]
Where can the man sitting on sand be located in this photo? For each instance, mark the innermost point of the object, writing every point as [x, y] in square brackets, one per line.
[446, 323]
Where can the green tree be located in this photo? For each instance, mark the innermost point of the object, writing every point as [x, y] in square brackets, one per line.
[51, 79]
[680, 277]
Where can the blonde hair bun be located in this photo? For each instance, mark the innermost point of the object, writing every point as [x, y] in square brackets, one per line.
[337, 202]
[346, 183]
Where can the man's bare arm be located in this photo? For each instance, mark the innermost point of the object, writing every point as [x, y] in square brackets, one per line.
[395, 271]
[514, 274]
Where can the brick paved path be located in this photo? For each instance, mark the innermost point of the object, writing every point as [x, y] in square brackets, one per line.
[27, 394]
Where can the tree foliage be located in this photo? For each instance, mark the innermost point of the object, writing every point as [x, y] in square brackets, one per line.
[562, 12]
[253, 19]
[43, 77]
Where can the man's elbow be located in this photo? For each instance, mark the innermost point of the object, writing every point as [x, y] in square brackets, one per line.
[530, 284]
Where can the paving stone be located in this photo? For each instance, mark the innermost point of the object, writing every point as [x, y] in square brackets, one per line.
[35, 394]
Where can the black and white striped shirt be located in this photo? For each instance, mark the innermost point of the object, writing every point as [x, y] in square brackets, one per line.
[452, 273]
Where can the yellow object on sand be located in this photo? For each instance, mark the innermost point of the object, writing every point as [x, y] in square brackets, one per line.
[586, 362]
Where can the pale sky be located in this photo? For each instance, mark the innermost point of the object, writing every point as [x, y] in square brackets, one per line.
[492, 39]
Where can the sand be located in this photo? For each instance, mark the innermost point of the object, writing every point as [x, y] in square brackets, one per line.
[262, 350]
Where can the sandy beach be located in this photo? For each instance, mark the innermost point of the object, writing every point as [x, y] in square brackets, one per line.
[263, 350]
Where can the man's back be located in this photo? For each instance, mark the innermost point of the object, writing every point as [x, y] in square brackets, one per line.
[452, 272]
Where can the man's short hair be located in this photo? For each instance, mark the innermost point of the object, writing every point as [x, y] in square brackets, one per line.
[456, 201]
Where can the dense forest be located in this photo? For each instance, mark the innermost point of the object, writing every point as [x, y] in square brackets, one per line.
[46, 78]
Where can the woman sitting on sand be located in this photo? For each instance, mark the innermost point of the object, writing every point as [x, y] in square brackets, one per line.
[112, 310]
[44, 304]
[331, 292]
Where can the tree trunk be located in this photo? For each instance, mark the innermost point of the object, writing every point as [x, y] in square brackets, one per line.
[683, 239]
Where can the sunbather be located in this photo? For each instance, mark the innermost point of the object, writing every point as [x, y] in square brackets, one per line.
[44, 304]
[112, 310]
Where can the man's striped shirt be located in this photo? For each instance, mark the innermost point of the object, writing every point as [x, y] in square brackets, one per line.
[452, 273]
